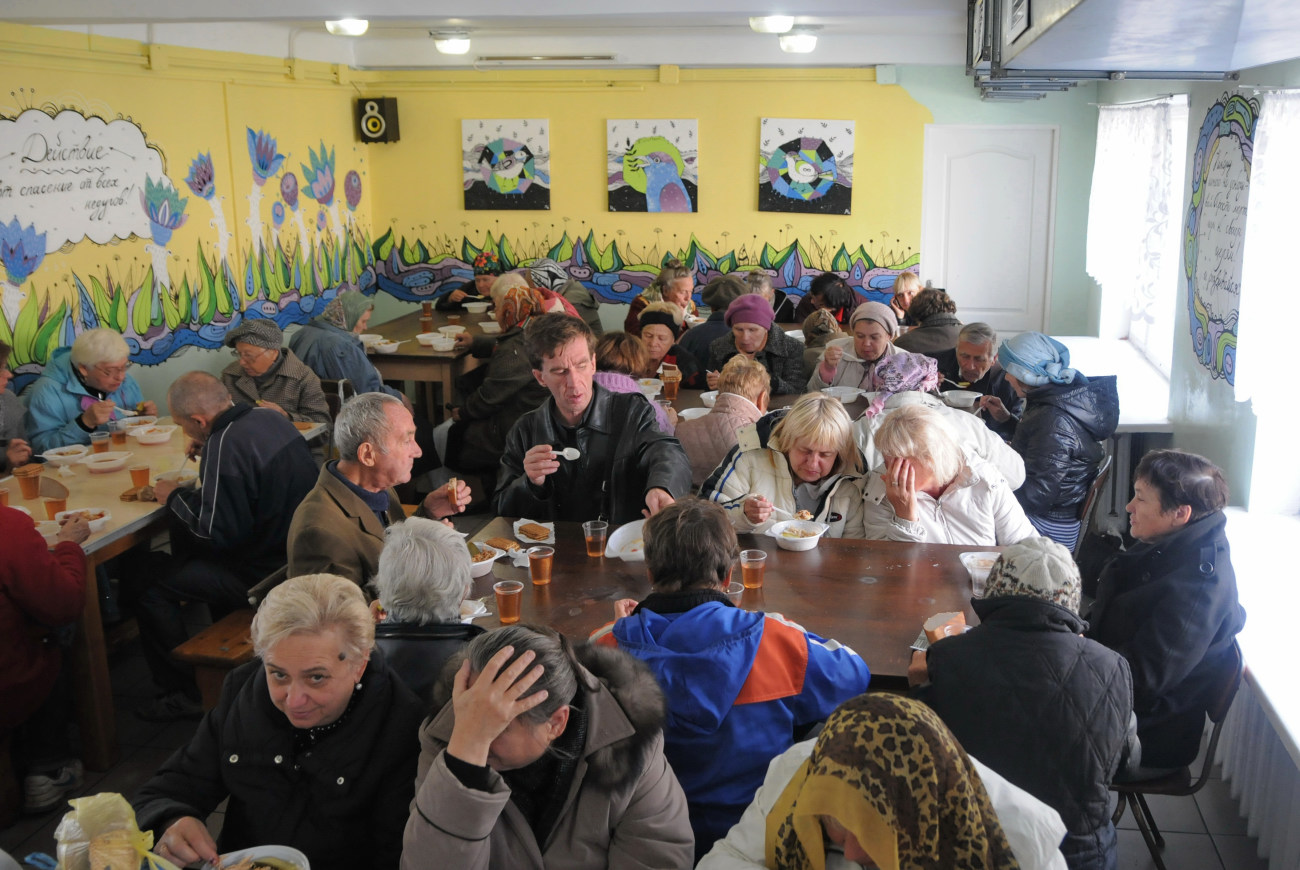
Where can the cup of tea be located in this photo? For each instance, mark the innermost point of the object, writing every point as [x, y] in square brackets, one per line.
[672, 378]
[426, 309]
[595, 532]
[540, 560]
[29, 479]
[139, 475]
[54, 506]
[117, 433]
[509, 594]
[752, 565]
[99, 442]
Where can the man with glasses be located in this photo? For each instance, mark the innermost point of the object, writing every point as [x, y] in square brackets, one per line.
[81, 390]
[268, 375]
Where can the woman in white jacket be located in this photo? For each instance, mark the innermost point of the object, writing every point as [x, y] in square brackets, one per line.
[932, 492]
[810, 464]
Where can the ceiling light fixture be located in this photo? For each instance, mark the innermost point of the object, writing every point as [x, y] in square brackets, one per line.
[451, 43]
[771, 23]
[348, 26]
[798, 43]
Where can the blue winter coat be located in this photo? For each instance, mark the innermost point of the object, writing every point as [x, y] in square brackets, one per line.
[57, 398]
[335, 353]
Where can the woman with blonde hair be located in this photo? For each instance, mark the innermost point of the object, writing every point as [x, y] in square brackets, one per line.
[906, 286]
[314, 744]
[675, 283]
[810, 467]
[932, 492]
[742, 399]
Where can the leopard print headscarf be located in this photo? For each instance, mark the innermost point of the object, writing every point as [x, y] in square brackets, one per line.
[888, 770]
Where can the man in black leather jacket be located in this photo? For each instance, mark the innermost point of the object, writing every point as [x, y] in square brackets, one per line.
[625, 465]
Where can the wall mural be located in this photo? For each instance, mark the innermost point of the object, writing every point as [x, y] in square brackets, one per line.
[506, 163]
[652, 165]
[805, 166]
[1216, 223]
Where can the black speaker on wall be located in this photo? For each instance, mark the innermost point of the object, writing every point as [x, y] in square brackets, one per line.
[377, 119]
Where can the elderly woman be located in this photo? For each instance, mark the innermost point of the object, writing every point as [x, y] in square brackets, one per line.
[661, 326]
[14, 449]
[860, 796]
[827, 292]
[489, 399]
[543, 756]
[81, 389]
[1066, 418]
[937, 326]
[269, 375]
[931, 492]
[620, 359]
[329, 345]
[754, 334]
[742, 400]
[423, 577]
[848, 362]
[546, 274]
[675, 284]
[1169, 604]
[313, 744]
[810, 465]
[487, 268]
[906, 286]
[1066, 692]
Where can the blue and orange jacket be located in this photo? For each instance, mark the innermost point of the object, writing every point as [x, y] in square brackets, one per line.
[739, 686]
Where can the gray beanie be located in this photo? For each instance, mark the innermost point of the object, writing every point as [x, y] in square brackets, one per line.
[722, 291]
[1036, 568]
[259, 332]
[880, 313]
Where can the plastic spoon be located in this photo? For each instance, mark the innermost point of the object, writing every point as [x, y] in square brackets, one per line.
[569, 453]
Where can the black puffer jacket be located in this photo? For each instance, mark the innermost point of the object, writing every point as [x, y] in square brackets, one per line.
[1059, 438]
[343, 803]
[1047, 709]
[624, 456]
[1170, 608]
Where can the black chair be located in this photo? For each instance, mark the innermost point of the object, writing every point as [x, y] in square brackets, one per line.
[1179, 783]
[1085, 509]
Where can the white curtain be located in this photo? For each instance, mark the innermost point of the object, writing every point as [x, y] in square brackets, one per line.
[1134, 214]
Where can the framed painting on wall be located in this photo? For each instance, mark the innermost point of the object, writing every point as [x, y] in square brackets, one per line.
[506, 164]
[653, 165]
[805, 166]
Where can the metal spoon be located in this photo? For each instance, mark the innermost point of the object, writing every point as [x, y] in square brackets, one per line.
[570, 453]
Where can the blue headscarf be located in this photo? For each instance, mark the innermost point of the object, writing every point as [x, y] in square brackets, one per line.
[1035, 359]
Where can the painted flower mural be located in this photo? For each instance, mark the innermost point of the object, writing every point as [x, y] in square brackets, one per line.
[202, 180]
[277, 215]
[352, 189]
[289, 190]
[318, 179]
[164, 207]
[261, 151]
[22, 252]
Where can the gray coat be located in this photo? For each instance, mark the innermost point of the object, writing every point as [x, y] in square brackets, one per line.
[291, 385]
[782, 356]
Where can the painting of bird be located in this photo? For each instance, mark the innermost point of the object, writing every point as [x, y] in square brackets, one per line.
[664, 191]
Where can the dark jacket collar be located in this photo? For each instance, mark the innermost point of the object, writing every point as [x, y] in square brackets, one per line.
[1033, 614]
[228, 416]
[596, 417]
[681, 601]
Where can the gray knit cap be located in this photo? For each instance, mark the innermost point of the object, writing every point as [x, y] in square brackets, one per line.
[1036, 568]
[259, 332]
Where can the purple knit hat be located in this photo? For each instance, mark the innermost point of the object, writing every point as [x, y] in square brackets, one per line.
[750, 308]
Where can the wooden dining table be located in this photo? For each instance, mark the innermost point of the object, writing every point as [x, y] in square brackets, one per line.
[434, 370]
[872, 596]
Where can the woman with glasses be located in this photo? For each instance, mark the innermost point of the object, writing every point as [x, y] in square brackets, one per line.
[82, 389]
[269, 375]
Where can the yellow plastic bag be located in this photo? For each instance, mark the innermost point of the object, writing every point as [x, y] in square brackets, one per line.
[100, 833]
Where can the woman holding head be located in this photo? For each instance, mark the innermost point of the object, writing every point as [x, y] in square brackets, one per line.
[81, 389]
[932, 492]
[906, 286]
[543, 755]
[849, 361]
[661, 326]
[754, 334]
[810, 464]
[14, 449]
[314, 744]
[1169, 603]
[675, 284]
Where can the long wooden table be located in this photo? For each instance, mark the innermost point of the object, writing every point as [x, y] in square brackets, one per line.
[870, 595]
[424, 365]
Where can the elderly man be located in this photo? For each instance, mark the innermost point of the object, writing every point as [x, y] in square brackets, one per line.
[973, 365]
[269, 375]
[625, 466]
[339, 527]
[227, 534]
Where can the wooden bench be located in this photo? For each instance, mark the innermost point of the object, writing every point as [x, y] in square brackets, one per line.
[216, 651]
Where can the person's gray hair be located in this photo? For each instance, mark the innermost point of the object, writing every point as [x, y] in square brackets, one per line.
[978, 333]
[197, 393]
[362, 419]
[315, 604]
[919, 432]
[96, 346]
[560, 670]
[424, 572]
[757, 281]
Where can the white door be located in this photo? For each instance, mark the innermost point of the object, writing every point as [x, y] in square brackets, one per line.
[987, 211]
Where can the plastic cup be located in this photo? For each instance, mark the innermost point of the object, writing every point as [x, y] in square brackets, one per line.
[426, 309]
[752, 565]
[29, 479]
[540, 560]
[735, 591]
[139, 475]
[98, 442]
[595, 532]
[4, 497]
[509, 594]
[117, 433]
[54, 506]
[672, 378]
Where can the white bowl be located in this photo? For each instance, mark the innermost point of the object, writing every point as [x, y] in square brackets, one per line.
[385, 346]
[844, 394]
[778, 531]
[490, 327]
[961, 398]
[451, 329]
[96, 525]
[282, 853]
[130, 424]
[153, 434]
[627, 542]
[478, 569]
[650, 386]
[477, 307]
[65, 455]
[691, 413]
[796, 334]
[103, 463]
[443, 344]
[709, 398]
[427, 338]
[179, 477]
[369, 338]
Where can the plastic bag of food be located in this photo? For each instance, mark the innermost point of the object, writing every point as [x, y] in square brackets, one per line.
[100, 833]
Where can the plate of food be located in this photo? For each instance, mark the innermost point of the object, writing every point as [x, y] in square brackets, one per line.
[481, 562]
[797, 534]
[152, 434]
[103, 463]
[96, 517]
[60, 456]
[262, 858]
[534, 533]
[142, 420]
[627, 542]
